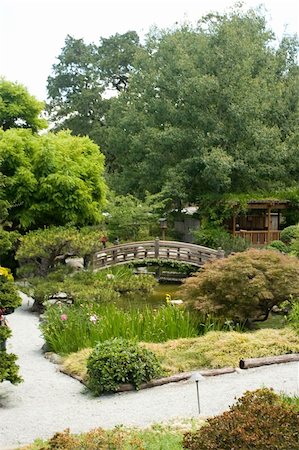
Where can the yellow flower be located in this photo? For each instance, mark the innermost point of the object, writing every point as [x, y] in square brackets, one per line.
[167, 298]
[6, 273]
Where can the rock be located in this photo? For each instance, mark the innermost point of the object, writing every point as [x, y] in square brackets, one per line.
[54, 358]
[75, 263]
[176, 302]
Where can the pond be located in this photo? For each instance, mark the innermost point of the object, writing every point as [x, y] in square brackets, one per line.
[154, 299]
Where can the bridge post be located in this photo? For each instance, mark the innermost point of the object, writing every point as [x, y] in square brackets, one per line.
[220, 253]
[157, 245]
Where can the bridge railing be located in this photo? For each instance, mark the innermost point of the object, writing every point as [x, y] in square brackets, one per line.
[169, 250]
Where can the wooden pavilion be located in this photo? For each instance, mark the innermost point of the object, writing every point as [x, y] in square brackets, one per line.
[261, 224]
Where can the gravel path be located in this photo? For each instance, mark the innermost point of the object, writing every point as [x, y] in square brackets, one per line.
[49, 401]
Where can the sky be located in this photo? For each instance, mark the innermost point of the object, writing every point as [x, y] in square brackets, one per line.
[33, 32]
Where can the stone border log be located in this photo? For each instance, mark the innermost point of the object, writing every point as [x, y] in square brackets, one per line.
[257, 362]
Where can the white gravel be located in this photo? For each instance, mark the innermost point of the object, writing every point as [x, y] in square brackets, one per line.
[49, 401]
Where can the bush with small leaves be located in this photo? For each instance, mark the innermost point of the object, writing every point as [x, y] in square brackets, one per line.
[9, 299]
[117, 361]
[280, 246]
[259, 420]
[215, 237]
[289, 233]
[245, 286]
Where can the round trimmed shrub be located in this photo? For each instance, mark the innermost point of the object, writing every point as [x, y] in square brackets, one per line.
[117, 361]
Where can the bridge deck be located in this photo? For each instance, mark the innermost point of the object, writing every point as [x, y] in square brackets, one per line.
[169, 250]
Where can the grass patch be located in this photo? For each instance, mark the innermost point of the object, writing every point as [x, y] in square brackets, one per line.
[213, 350]
[292, 401]
[274, 321]
[167, 436]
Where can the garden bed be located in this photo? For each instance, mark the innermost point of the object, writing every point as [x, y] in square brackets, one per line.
[212, 354]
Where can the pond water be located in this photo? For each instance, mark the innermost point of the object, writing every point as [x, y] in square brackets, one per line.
[154, 299]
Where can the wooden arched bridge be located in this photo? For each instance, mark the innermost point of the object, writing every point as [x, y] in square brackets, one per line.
[184, 252]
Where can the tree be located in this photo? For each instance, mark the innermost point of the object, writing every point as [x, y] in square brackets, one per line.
[78, 86]
[211, 109]
[130, 219]
[245, 285]
[53, 179]
[41, 250]
[9, 300]
[19, 109]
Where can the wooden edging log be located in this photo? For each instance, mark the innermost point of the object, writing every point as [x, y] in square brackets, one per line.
[160, 381]
[175, 378]
[257, 362]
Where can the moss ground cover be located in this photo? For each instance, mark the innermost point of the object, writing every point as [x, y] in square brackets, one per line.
[213, 350]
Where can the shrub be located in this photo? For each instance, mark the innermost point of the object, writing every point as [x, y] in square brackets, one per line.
[215, 237]
[258, 421]
[88, 286]
[9, 299]
[245, 285]
[278, 245]
[118, 361]
[289, 233]
[293, 316]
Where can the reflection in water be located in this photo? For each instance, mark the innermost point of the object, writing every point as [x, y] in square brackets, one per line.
[154, 299]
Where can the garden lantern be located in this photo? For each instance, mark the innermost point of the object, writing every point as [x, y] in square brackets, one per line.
[163, 227]
[196, 376]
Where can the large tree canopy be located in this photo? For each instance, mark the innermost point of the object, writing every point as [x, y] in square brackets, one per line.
[211, 109]
[205, 109]
[19, 109]
[50, 179]
[77, 89]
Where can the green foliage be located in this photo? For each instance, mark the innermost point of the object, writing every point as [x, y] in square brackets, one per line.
[8, 368]
[83, 72]
[69, 329]
[278, 245]
[19, 109]
[41, 250]
[9, 298]
[166, 264]
[52, 179]
[131, 219]
[258, 420]
[87, 286]
[245, 285]
[293, 316]
[215, 237]
[200, 109]
[8, 245]
[119, 361]
[38, 250]
[201, 113]
[289, 233]
[293, 401]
